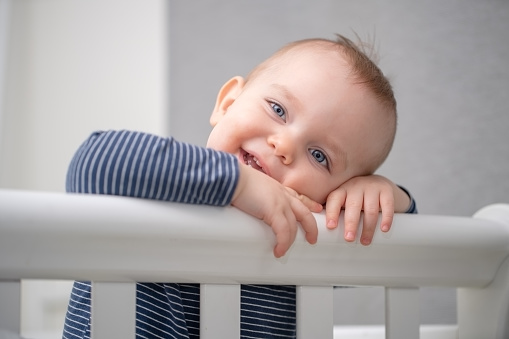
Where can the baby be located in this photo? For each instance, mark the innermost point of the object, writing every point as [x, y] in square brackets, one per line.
[308, 127]
[316, 116]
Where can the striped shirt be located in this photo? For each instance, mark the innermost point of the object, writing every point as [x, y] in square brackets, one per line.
[145, 166]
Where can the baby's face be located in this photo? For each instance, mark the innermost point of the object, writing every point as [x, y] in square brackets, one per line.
[302, 122]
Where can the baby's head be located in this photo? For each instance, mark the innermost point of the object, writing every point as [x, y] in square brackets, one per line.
[312, 116]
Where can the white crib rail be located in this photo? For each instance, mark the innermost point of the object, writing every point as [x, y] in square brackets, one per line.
[115, 241]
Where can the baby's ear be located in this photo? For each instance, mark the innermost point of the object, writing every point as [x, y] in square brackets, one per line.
[226, 96]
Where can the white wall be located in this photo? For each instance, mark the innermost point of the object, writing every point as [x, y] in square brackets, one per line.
[75, 67]
[5, 10]
[72, 67]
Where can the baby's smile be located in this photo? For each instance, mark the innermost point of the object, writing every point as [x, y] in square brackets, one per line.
[252, 161]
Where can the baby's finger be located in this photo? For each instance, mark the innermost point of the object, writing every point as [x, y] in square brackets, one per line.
[353, 207]
[285, 229]
[371, 213]
[307, 221]
[335, 202]
[387, 206]
[312, 205]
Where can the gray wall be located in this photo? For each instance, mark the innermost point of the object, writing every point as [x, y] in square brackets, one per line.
[447, 60]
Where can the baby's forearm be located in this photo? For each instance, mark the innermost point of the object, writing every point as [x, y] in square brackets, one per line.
[142, 165]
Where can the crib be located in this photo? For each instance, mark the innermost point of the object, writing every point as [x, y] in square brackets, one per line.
[99, 238]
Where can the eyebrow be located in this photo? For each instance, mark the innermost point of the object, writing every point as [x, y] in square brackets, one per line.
[287, 94]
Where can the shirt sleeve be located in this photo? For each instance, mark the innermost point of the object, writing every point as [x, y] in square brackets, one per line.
[412, 208]
[143, 165]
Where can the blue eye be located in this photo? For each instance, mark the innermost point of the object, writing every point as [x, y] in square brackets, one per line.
[319, 156]
[278, 110]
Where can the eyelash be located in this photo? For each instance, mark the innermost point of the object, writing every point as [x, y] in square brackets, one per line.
[314, 151]
[280, 111]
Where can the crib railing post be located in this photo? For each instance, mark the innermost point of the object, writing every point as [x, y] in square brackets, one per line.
[484, 312]
[219, 311]
[315, 312]
[402, 316]
[10, 306]
[113, 310]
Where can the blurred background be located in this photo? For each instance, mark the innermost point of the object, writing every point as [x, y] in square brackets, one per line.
[68, 68]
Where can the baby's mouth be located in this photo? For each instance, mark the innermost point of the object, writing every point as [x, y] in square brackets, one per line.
[251, 160]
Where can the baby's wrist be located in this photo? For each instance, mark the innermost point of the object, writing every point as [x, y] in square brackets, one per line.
[402, 200]
[241, 182]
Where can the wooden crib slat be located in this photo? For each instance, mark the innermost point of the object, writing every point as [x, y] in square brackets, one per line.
[113, 310]
[315, 312]
[10, 306]
[402, 317]
[219, 311]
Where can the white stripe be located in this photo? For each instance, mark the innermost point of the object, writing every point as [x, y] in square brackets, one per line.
[102, 159]
[124, 168]
[110, 161]
[138, 172]
[179, 326]
[168, 302]
[267, 319]
[171, 172]
[156, 174]
[272, 335]
[121, 158]
[142, 167]
[93, 162]
[265, 307]
[210, 173]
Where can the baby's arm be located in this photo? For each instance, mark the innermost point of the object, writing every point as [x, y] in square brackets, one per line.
[143, 165]
[146, 166]
[370, 194]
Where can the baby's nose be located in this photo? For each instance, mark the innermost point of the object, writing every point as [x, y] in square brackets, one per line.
[284, 148]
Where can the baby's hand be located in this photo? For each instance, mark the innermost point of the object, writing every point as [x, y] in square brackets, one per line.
[369, 194]
[263, 197]
[313, 206]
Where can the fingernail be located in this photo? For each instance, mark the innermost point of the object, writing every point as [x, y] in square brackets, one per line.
[331, 224]
[385, 228]
[365, 241]
[350, 236]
